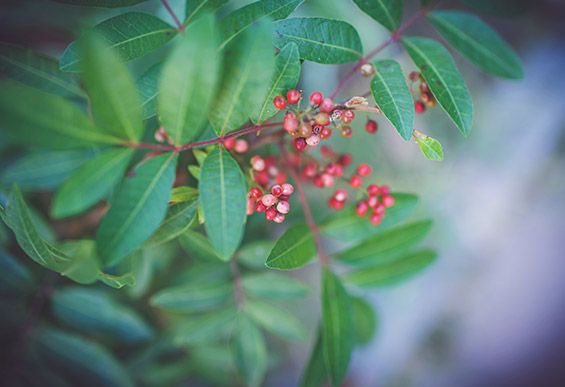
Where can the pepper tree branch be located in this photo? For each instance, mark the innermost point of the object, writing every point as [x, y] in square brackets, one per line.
[175, 18]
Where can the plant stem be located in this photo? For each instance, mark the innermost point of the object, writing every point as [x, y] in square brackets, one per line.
[239, 295]
[175, 18]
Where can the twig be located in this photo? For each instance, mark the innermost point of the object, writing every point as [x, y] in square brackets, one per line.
[175, 18]
[239, 295]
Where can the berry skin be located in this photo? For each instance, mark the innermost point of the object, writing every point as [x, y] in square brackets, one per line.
[345, 159]
[229, 143]
[241, 146]
[388, 201]
[283, 207]
[268, 200]
[349, 114]
[281, 178]
[261, 178]
[316, 98]
[367, 70]
[384, 190]
[277, 190]
[279, 102]
[361, 208]
[293, 96]
[379, 209]
[340, 195]
[375, 218]
[355, 181]
[371, 126]
[327, 105]
[288, 189]
[305, 130]
[322, 119]
[419, 107]
[364, 169]
[300, 143]
[325, 133]
[335, 204]
[290, 122]
[373, 201]
[257, 163]
[327, 180]
[346, 131]
[373, 189]
[270, 213]
[255, 193]
[313, 140]
[279, 218]
[260, 207]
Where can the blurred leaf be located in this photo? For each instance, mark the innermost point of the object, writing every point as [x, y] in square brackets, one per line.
[194, 171]
[215, 363]
[132, 34]
[84, 267]
[444, 80]
[223, 191]
[386, 245]
[86, 362]
[240, 19]
[320, 40]
[337, 327]
[478, 42]
[315, 372]
[274, 286]
[275, 320]
[15, 278]
[117, 281]
[348, 226]
[364, 320]
[253, 254]
[179, 218]
[386, 12]
[430, 147]
[198, 245]
[37, 70]
[294, 249]
[392, 271]
[249, 351]
[111, 90]
[137, 209]
[102, 3]
[393, 96]
[205, 328]
[203, 273]
[147, 86]
[143, 270]
[249, 66]
[193, 297]
[44, 169]
[95, 312]
[189, 81]
[183, 194]
[195, 8]
[286, 77]
[46, 120]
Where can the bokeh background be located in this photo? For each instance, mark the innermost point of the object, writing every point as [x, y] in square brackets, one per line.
[491, 311]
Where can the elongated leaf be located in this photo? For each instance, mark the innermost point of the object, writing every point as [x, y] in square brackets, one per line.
[46, 120]
[93, 311]
[111, 89]
[92, 182]
[443, 78]
[189, 80]
[183, 194]
[205, 328]
[198, 246]
[320, 40]
[275, 320]
[117, 281]
[287, 75]
[193, 297]
[179, 218]
[478, 42]
[195, 8]
[348, 226]
[249, 351]
[364, 320]
[44, 169]
[386, 12]
[337, 327]
[294, 249]
[391, 93]
[315, 371]
[84, 266]
[253, 254]
[147, 87]
[137, 210]
[102, 3]
[242, 18]
[132, 34]
[37, 70]
[393, 271]
[386, 245]
[430, 147]
[222, 189]
[249, 67]
[274, 286]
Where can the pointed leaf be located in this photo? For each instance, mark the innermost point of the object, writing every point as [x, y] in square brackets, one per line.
[430, 147]
[137, 210]
[198, 246]
[253, 255]
[147, 87]
[364, 320]
[320, 40]
[193, 297]
[315, 372]
[179, 218]
[393, 96]
[223, 192]
[274, 286]
[275, 320]
[195, 8]
[478, 42]
[205, 328]
[249, 351]
[386, 12]
[444, 80]
[294, 249]
[188, 81]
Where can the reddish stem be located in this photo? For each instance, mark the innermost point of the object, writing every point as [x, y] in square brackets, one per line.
[175, 18]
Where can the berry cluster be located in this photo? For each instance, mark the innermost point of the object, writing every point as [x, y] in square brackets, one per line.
[377, 200]
[423, 95]
[275, 204]
[238, 145]
[265, 171]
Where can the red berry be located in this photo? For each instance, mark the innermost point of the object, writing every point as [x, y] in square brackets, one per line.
[276, 190]
[290, 122]
[284, 197]
[229, 143]
[270, 213]
[316, 98]
[318, 181]
[364, 169]
[373, 189]
[326, 151]
[375, 218]
[300, 143]
[335, 204]
[327, 180]
[379, 209]
[384, 190]
[310, 169]
[419, 107]
[361, 208]
[326, 105]
[371, 126]
[349, 114]
[268, 200]
[322, 119]
[283, 207]
[257, 163]
[388, 201]
[288, 189]
[325, 133]
[261, 178]
[260, 207]
[279, 102]
[345, 159]
[281, 178]
[241, 146]
[255, 193]
[373, 201]
[279, 218]
[293, 96]
[340, 195]
[346, 131]
[355, 181]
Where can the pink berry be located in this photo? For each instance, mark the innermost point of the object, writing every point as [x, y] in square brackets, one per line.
[345, 159]
[384, 190]
[362, 208]
[326, 105]
[373, 201]
[313, 140]
[260, 207]
[229, 143]
[327, 180]
[371, 126]
[340, 195]
[268, 200]
[281, 177]
[349, 114]
[419, 107]
[276, 190]
[373, 189]
[241, 146]
[388, 201]
[270, 213]
[364, 169]
[290, 122]
[355, 181]
[379, 209]
[293, 96]
[288, 189]
[316, 98]
[335, 204]
[257, 163]
[250, 206]
[318, 181]
[279, 102]
[255, 193]
[283, 207]
[300, 143]
[261, 178]
[375, 218]
[279, 218]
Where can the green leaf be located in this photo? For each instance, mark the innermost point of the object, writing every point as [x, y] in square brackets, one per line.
[315, 372]
[132, 34]
[137, 209]
[274, 286]
[348, 226]
[287, 75]
[392, 271]
[193, 297]
[94, 312]
[240, 19]
[393, 96]
[84, 266]
[195, 8]
[275, 320]
[320, 40]
[386, 245]
[111, 88]
[443, 78]
[197, 245]
[223, 192]
[294, 249]
[249, 66]
[36, 70]
[249, 351]
[83, 361]
[147, 86]
[92, 182]
[253, 255]
[337, 327]
[430, 147]
[179, 218]
[44, 169]
[478, 42]
[183, 194]
[205, 328]
[364, 320]
[102, 3]
[117, 281]
[46, 120]
[386, 12]
[189, 81]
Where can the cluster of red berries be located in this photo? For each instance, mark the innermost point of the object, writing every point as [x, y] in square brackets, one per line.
[375, 204]
[265, 171]
[423, 95]
[238, 145]
[274, 203]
